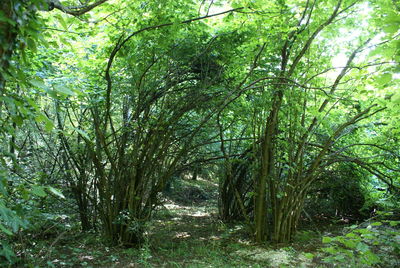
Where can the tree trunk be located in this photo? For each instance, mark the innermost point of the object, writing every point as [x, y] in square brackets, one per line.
[266, 172]
[8, 37]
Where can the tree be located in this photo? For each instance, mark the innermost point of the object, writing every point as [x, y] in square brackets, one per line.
[298, 138]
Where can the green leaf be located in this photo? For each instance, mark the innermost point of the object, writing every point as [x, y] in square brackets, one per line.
[18, 120]
[376, 223]
[25, 194]
[66, 42]
[83, 133]
[64, 90]
[349, 243]
[362, 247]
[40, 118]
[55, 192]
[309, 255]
[384, 79]
[396, 98]
[32, 103]
[3, 190]
[331, 250]
[391, 28]
[38, 83]
[370, 258]
[62, 22]
[7, 252]
[363, 231]
[32, 45]
[5, 230]
[351, 235]
[38, 191]
[376, 51]
[49, 126]
[326, 239]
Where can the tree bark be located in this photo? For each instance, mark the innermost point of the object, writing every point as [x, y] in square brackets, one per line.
[8, 36]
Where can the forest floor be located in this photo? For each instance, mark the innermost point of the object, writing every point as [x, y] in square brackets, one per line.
[185, 232]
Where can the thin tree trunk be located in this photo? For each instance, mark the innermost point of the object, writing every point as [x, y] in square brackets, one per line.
[8, 37]
[267, 165]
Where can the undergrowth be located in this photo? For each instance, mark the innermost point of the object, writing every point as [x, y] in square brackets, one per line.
[189, 234]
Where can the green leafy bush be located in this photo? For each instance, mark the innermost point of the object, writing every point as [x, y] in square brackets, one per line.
[20, 211]
[364, 246]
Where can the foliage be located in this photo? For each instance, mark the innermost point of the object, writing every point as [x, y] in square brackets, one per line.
[283, 104]
[342, 196]
[301, 129]
[359, 246]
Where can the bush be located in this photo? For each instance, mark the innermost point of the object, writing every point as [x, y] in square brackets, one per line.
[377, 243]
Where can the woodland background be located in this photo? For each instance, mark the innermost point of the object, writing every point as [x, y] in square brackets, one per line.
[265, 128]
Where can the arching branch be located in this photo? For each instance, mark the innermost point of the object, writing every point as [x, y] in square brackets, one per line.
[73, 10]
[124, 39]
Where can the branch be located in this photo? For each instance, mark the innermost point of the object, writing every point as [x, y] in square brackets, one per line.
[313, 36]
[341, 150]
[381, 176]
[74, 10]
[122, 41]
[314, 122]
[360, 116]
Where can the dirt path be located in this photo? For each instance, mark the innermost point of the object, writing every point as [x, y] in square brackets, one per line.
[191, 236]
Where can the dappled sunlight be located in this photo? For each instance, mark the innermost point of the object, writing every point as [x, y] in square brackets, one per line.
[182, 235]
[200, 214]
[275, 258]
[86, 258]
[187, 210]
[199, 133]
[245, 242]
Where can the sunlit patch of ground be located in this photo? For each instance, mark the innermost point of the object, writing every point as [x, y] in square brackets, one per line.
[190, 236]
[274, 258]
